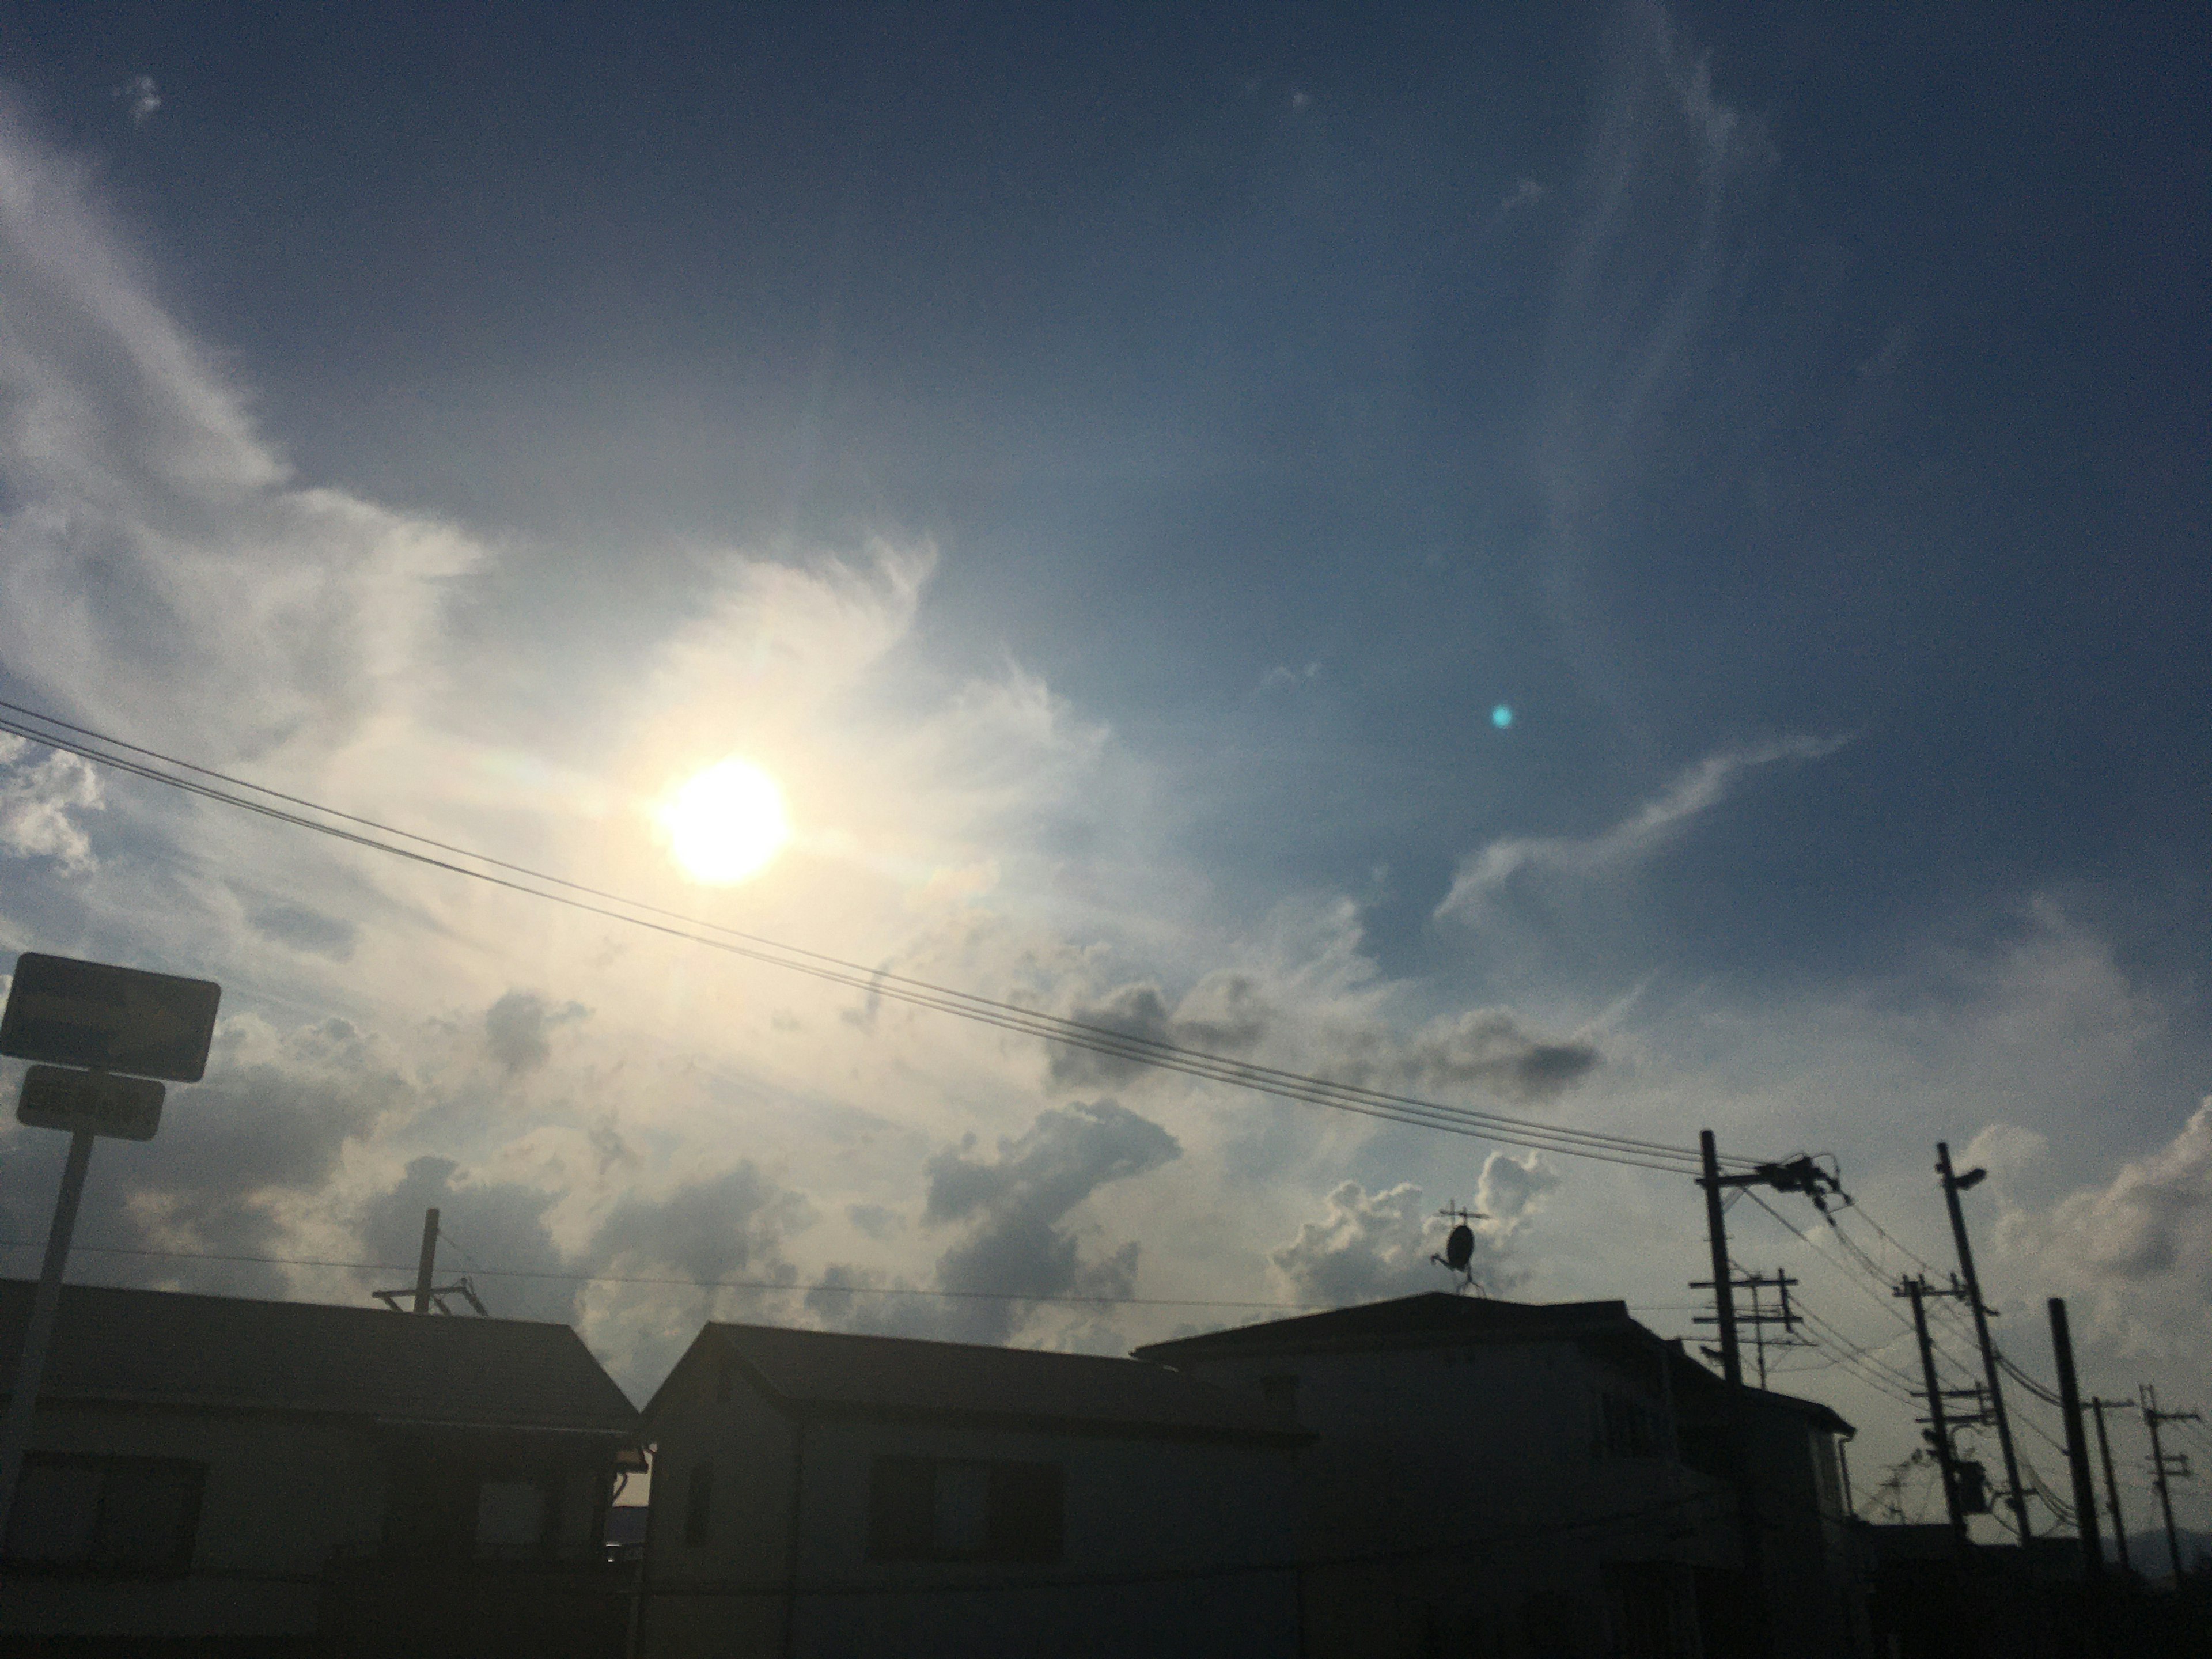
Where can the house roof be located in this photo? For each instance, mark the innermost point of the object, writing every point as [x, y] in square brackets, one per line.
[1406, 1321]
[830, 1371]
[1701, 1393]
[218, 1352]
[1437, 1317]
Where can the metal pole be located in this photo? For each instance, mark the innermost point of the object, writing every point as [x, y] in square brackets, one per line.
[2153, 1416]
[428, 1267]
[1716, 1236]
[1982, 1335]
[2077, 1447]
[1939, 1431]
[31, 1366]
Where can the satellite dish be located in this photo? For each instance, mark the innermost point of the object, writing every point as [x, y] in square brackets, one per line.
[1458, 1248]
[1459, 1245]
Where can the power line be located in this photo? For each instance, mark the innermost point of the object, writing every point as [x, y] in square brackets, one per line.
[1413, 1111]
[690, 1284]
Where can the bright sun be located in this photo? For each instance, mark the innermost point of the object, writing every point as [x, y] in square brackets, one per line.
[728, 822]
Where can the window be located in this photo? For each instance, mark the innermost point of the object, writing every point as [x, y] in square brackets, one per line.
[928, 1509]
[699, 1503]
[1280, 1391]
[1627, 1427]
[129, 1517]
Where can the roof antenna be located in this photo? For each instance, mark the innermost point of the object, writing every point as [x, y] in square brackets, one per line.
[1459, 1247]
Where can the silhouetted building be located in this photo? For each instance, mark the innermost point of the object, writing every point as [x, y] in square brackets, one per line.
[255, 1472]
[1505, 1479]
[819, 1494]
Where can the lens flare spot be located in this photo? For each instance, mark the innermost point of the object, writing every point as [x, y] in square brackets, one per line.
[1501, 716]
[727, 823]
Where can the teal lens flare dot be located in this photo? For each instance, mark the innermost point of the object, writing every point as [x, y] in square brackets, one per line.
[1501, 717]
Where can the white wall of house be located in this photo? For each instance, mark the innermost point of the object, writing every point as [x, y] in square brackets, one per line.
[1161, 1538]
[280, 1493]
[1441, 1508]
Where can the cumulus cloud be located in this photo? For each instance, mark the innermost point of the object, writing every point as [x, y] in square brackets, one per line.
[39, 790]
[2140, 1245]
[1368, 1246]
[242, 1159]
[1485, 877]
[1224, 1013]
[1014, 1209]
[516, 1028]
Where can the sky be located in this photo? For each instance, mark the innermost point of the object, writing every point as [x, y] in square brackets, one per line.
[1641, 568]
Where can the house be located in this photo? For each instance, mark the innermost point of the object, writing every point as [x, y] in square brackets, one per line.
[823, 1494]
[1493, 1477]
[221, 1474]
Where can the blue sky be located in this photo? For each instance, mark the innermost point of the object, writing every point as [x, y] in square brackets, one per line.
[1112, 467]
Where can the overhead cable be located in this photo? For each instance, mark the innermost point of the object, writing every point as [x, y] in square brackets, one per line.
[103, 750]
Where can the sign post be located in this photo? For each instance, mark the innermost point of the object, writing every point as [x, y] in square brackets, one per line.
[88, 1022]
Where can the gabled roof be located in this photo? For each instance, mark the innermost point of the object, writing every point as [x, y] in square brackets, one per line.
[1437, 1318]
[227, 1353]
[1406, 1322]
[814, 1372]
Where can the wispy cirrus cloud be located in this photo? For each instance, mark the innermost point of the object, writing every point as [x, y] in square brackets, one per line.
[1484, 876]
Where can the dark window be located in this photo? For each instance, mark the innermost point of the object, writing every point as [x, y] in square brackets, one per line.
[1280, 1391]
[699, 1503]
[1627, 1427]
[130, 1516]
[928, 1509]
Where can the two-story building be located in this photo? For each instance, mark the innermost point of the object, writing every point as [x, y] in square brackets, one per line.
[212, 1474]
[1501, 1478]
[818, 1494]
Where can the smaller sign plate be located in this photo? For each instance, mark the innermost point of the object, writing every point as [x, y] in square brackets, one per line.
[94, 1102]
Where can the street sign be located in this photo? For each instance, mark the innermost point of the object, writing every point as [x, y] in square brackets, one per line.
[102, 1018]
[91, 1102]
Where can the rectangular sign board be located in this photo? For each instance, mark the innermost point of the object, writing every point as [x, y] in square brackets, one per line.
[68, 1012]
[96, 1103]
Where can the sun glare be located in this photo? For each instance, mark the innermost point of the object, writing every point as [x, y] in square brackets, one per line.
[727, 823]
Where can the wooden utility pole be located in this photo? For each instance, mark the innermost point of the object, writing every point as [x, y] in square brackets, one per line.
[2166, 1468]
[1723, 1279]
[1952, 1185]
[2077, 1445]
[1939, 1430]
[427, 1269]
[2111, 1481]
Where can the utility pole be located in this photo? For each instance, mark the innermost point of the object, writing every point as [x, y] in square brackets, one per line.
[2111, 1482]
[427, 1269]
[428, 1296]
[1716, 1236]
[1952, 1185]
[1939, 1431]
[2166, 1469]
[2077, 1446]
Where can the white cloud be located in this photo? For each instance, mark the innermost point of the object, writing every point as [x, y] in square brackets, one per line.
[39, 790]
[140, 96]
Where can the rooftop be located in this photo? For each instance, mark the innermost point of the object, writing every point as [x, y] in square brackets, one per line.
[901, 1376]
[1406, 1321]
[162, 1347]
